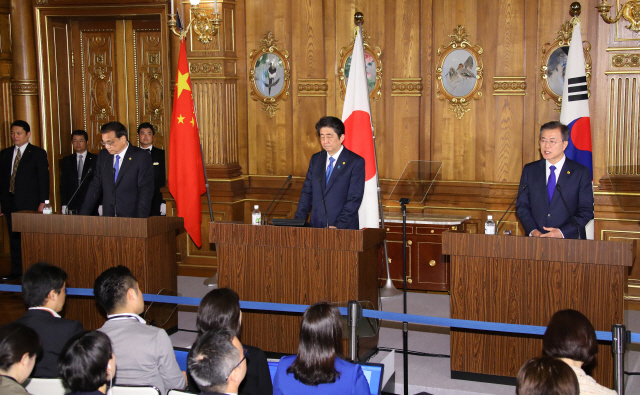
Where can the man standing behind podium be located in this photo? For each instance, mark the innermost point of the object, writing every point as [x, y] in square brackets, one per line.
[123, 176]
[334, 185]
[75, 169]
[540, 208]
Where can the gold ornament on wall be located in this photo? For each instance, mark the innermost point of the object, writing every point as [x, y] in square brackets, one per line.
[269, 74]
[629, 11]
[553, 65]
[373, 66]
[459, 72]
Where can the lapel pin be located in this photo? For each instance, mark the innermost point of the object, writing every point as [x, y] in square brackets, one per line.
[338, 166]
[568, 172]
[129, 158]
[343, 163]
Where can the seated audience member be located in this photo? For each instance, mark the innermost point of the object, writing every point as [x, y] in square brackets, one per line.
[87, 363]
[546, 376]
[19, 346]
[44, 292]
[144, 353]
[220, 309]
[217, 362]
[571, 338]
[318, 368]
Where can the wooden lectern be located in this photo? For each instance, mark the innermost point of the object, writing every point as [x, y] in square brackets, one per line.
[85, 246]
[524, 280]
[295, 266]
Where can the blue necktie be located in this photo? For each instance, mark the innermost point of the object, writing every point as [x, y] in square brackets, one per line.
[329, 170]
[117, 167]
[551, 183]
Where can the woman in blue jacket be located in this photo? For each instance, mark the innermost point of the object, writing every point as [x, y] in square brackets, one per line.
[318, 367]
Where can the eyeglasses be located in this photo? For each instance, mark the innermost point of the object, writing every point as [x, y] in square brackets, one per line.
[551, 143]
[244, 350]
[108, 143]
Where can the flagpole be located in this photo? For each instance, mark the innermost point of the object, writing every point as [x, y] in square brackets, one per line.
[211, 281]
[388, 290]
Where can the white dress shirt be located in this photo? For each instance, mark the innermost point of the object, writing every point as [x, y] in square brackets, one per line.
[334, 156]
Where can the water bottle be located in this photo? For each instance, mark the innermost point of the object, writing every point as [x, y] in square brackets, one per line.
[47, 209]
[256, 217]
[489, 226]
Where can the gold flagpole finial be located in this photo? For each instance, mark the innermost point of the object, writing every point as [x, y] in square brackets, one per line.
[358, 18]
[575, 9]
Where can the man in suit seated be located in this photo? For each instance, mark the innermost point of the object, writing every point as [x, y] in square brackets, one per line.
[75, 169]
[123, 177]
[334, 185]
[146, 134]
[217, 362]
[44, 292]
[24, 185]
[540, 208]
[144, 354]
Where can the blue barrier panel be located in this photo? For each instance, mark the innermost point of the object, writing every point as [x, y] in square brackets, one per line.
[383, 315]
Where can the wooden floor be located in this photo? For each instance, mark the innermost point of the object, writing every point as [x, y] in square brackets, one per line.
[11, 304]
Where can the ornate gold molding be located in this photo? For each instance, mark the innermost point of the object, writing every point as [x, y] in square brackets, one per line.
[629, 11]
[42, 2]
[24, 87]
[406, 87]
[200, 67]
[372, 62]
[625, 60]
[312, 87]
[269, 69]
[509, 86]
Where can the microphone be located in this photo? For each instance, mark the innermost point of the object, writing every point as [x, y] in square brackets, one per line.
[326, 213]
[508, 208]
[264, 217]
[568, 211]
[79, 186]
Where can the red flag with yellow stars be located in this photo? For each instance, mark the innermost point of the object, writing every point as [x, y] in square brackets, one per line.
[186, 175]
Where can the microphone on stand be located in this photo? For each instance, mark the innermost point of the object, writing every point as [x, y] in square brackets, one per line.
[326, 213]
[508, 208]
[79, 186]
[264, 217]
[569, 211]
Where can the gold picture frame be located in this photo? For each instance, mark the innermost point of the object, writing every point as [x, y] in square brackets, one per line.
[373, 65]
[553, 65]
[459, 72]
[269, 74]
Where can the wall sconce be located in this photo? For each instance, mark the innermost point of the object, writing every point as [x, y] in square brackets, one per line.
[204, 25]
[629, 11]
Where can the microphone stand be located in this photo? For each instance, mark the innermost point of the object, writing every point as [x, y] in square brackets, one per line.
[573, 220]
[508, 208]
[264, 217]
[405, 325]
[76, 192]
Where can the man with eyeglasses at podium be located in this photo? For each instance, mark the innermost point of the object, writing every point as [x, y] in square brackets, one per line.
[556, 193]
[123, 176]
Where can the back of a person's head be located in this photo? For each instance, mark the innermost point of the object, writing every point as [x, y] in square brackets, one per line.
[570, 335]
[320, 343]
[84, 361]
[219, 308]
[16, 340]
[39, 280]
[110, 288]
[211, 360]
[546, 376]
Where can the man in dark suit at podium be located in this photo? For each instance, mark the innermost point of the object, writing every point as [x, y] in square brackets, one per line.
[75, 169]
[334, 185]
[146, 134]
[24, 185]
[540, 208]
[123, 177]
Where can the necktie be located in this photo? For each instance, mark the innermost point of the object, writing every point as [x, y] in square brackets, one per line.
[12, 182]
[148, 150]
[80, 165]
[329, 170]
[551, 183]
[117, 168]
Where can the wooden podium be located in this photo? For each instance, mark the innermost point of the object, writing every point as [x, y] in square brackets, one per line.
[85, 246]
[524, 280]
[296, 266]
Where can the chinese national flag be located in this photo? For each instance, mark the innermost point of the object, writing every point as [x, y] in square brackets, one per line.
[186, 175]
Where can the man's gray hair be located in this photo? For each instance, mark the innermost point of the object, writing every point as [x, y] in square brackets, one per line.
[212, 359]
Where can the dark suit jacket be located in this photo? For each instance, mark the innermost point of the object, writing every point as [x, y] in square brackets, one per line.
[533, 207]
[32, 178]
[54, 333]
[131, 194]
[69, 179]
[159, 179]
[342, 195]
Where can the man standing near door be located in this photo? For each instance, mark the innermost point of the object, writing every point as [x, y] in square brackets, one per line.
[24, 185]
[75, 169]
